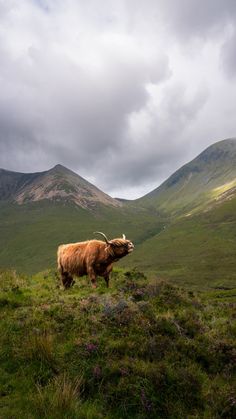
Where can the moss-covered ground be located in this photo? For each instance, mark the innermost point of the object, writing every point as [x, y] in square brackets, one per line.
[138, 349]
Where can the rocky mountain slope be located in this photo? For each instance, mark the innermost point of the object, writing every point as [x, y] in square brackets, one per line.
[57, 184]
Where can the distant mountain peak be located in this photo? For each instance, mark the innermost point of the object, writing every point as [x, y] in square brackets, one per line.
[222, 150]
[56, 184]
[59, 167]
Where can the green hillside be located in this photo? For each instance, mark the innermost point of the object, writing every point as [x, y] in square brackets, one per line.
[206, 180]
[197, 251]
[30, 234]
[158, 344]
[184, 230]
[139, 349]
[197, 245]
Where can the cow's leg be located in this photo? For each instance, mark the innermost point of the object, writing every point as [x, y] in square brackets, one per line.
[70, 281]
[63, 276]
[106, 275]
[67, 280]
[92, 275]
[63, 279]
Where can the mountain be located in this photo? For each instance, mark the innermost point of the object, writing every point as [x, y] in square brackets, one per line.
[204, 182]
[196, 246]
[39, 211]
[183, 231]
[57, 184]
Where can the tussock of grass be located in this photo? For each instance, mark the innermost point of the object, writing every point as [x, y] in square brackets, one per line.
[142, 348]
[39, 346]
[59, 399]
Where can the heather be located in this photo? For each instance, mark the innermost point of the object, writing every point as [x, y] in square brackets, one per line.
[142, 348]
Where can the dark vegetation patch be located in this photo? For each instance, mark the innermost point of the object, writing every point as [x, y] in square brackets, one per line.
[139, 349]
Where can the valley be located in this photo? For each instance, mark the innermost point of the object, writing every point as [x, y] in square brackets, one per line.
[160, 342]
[184, 231]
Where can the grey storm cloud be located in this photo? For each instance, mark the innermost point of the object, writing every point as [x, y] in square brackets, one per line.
[155, 155]
[121, 92]
[228, 55]
[191, 18]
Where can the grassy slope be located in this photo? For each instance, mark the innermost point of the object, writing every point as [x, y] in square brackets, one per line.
[139, 349]
[30, 234]
[196, 251]
[197, 184]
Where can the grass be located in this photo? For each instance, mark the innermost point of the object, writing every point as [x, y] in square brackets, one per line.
[60, 398]
[142, 348]
[197, 251]
[41, 227]
[183, 231]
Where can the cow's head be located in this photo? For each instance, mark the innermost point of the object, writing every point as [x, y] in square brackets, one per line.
[118, 247]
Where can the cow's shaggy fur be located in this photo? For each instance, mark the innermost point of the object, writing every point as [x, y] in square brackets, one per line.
[92, 258]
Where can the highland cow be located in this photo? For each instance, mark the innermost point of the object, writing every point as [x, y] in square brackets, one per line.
[93, 258]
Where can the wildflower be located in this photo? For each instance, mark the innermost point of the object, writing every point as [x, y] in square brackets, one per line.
[91, 347]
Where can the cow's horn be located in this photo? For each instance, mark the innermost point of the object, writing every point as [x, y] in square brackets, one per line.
[105, 237]
[124, 236]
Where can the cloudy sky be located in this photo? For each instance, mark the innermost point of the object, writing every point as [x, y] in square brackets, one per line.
[122, 92]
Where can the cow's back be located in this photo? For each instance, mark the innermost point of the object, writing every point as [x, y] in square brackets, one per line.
[76, 258]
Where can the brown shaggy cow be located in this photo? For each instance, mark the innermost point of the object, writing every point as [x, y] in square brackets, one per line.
[92, 258]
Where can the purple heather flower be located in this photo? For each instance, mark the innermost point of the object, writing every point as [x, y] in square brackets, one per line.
[91, 347]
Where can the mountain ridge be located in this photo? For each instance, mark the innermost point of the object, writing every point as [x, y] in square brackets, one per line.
[186, 233]
[56, 184]
[197, 184]
[207, 179]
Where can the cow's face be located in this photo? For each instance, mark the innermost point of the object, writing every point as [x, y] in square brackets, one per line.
[130, 246]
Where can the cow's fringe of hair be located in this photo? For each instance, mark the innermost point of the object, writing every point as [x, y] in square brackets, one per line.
[118, 242]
